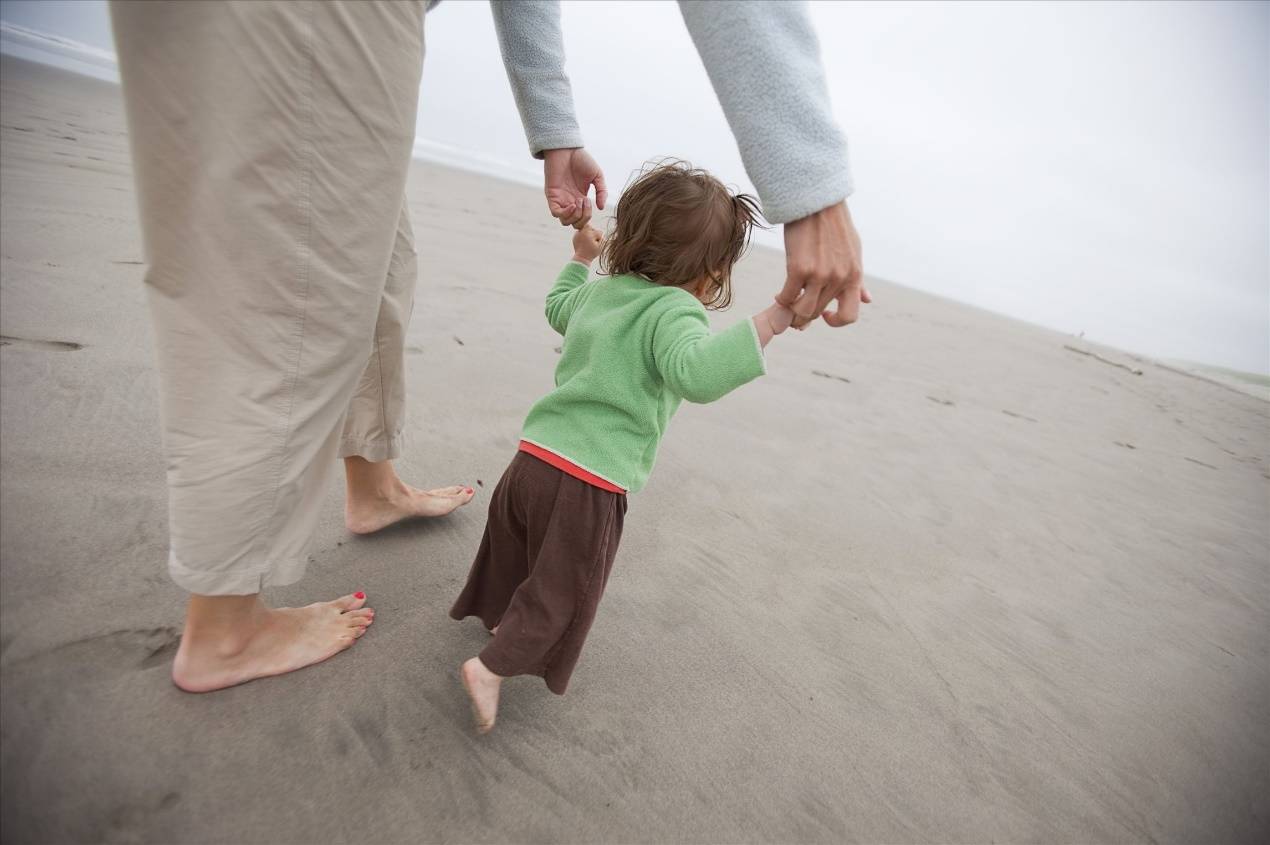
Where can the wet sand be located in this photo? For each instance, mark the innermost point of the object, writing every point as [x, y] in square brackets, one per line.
[941, 577]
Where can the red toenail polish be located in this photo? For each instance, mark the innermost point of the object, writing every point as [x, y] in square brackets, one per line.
[359, 595]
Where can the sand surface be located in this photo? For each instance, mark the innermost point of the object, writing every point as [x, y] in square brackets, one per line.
[940, 577]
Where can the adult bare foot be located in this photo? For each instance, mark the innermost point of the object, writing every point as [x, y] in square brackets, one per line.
[482, 687]
[377, 498]
[230, 640]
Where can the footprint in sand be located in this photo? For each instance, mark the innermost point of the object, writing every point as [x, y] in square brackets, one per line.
[141, 648]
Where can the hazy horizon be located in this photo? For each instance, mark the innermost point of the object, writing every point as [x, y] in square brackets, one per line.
[1095, 168]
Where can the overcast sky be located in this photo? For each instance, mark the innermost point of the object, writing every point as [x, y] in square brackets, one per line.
[1095, 167]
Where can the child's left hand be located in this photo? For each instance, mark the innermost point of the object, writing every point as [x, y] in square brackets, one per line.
[771, 321]
[779, 317]
[586, 244]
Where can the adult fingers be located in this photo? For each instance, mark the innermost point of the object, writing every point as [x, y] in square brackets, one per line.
[799, 322]
[571, 213]
[562, 209]
[583, 217]
[848, 309]
[807, 306]
[601, 190]
[835, 287]
[802, 291]
[795, 278]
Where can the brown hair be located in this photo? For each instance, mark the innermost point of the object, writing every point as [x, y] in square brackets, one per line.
[677, 226]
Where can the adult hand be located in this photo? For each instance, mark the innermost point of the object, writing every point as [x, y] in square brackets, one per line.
[568, 175]
[823, 263]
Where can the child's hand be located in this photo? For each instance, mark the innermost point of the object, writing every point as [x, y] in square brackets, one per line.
[779, 317]
[771, 321]
[586, 244]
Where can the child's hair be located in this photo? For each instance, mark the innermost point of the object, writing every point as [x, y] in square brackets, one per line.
[676, 225]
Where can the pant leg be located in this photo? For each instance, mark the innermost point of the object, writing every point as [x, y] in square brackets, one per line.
[502, 561]
[270, 145]
[376, 418]
[572, 530]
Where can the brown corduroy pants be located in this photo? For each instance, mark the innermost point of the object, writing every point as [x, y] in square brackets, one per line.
[544, 561]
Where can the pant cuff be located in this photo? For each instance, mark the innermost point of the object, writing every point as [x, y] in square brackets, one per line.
[235, 582]
[373, 449]
[496, 663]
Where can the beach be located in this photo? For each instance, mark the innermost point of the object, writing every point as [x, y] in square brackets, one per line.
[942, 576]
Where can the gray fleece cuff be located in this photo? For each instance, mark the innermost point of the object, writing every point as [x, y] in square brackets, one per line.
[794, 202]
[561, 140]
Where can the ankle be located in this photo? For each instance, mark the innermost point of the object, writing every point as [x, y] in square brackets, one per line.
[484, 673]
[371, 481]
[222, 626]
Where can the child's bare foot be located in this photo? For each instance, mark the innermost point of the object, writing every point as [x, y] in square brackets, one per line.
[376, 498]
[482, 688]
[230, 640]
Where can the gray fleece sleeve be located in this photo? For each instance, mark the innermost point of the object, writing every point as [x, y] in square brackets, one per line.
[533, 54]
[763, 60]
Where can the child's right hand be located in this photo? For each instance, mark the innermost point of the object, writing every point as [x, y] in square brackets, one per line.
[586, 244]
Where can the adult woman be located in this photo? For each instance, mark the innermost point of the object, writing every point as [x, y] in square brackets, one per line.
[271, 142]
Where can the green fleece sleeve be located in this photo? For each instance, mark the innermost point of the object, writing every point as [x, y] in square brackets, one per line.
[700, 366]
[565, 294]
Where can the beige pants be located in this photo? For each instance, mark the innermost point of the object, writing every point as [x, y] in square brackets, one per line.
[270, 142]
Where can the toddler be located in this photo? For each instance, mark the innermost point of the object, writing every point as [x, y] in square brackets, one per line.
[636, 343]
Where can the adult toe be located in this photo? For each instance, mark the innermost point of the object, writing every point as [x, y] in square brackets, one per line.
[352, 601]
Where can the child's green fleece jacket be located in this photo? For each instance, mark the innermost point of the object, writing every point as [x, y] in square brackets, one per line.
[632, 351]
